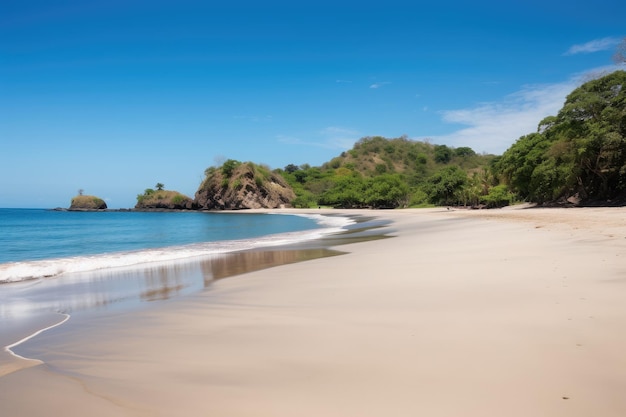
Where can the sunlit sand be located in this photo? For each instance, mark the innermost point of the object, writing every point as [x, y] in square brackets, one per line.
[514, 312]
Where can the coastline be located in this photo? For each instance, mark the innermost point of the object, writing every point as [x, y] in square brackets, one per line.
[488, 312]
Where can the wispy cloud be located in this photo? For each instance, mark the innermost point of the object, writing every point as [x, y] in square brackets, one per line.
[379, 84]
[493, 127]
[331, 137]
[595, 45]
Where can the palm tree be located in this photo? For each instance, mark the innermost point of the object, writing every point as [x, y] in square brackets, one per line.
[159, 186]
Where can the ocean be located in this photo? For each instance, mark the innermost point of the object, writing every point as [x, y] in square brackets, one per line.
[62, 262]
[37, 243]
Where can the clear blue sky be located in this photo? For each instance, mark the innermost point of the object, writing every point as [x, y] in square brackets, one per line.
[115, 96]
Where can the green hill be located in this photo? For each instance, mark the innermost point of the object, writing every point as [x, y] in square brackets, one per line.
[389, 173]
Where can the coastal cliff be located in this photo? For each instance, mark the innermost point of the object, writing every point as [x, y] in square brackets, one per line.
[238, 185]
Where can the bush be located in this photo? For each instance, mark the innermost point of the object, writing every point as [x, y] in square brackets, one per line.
[178, 199]
[498, 196]
[229, 166]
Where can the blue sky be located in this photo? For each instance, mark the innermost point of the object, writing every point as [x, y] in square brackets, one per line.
[115, 96]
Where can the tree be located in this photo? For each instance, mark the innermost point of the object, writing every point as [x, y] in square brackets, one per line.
[345, 192]
[580, 151]
[291, 168]
[498, 196]
[518, 163]
[386, 191]
[80, 191]
[464, 151]
[446, 186]
[443, 154]
[159, 186]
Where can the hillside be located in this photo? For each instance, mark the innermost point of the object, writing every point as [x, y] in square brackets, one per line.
[389, 173]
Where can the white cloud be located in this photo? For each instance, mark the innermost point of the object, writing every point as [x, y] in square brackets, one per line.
[595, 45]
[493, 127]
[380, 84]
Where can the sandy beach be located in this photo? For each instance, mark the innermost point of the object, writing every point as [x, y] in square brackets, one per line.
[512, 312]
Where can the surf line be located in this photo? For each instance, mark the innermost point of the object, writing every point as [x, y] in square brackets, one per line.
[38, 332]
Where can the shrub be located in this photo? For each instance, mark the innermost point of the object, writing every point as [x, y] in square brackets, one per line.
[178, 199]
[498, 196]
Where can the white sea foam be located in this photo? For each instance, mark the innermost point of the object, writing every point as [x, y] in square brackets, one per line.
[9, 348]
[21, 271]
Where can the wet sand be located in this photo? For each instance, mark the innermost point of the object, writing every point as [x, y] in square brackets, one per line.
[462, 313]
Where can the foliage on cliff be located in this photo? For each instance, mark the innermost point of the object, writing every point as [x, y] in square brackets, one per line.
[87, 202]
[161, 199]
[242, 185]
[580, 152]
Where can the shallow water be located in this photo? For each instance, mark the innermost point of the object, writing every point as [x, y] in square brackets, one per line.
[40, 243]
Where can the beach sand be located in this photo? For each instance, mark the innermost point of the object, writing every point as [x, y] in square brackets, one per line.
[513, 312]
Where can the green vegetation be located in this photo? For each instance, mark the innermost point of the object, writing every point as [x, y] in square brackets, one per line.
[241, 185]
[579, 152]
[162, 199]
[388, 173]
[577, 155]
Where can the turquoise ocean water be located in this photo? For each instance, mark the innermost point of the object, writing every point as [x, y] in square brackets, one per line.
[36, 243]
[59, 264]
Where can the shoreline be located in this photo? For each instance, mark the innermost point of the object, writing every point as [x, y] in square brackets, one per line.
[508, 312]
[162, 282]
[9, 348]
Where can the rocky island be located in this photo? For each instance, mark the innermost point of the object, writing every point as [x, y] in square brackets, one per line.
[161, 199]
[87, 203]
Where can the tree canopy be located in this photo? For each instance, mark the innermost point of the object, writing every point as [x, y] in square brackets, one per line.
[579, 152]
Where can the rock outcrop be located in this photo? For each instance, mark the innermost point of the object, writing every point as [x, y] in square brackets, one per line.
[163, 200]
[87, 202]
[237, 186]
